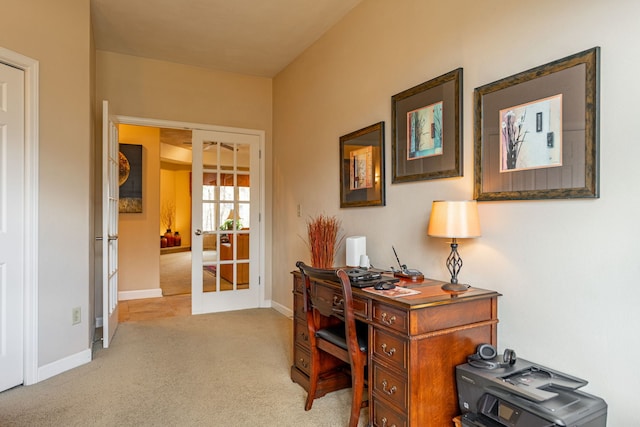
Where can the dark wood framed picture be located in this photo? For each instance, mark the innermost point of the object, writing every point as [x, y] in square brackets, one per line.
[426, 129]
[537, 132]
[130, 191]
[362, 167]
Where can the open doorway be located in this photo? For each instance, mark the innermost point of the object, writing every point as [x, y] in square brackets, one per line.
[219, 212]
[176, 234]
[175, 211]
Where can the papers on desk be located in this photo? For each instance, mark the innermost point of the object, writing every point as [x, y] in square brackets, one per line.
[396, 292]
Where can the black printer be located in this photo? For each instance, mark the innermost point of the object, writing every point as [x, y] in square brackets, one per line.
[518, 393]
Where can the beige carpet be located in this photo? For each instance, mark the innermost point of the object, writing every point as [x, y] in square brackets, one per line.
[224, 369]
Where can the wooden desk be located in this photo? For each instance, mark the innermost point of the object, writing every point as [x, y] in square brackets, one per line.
[415, 343]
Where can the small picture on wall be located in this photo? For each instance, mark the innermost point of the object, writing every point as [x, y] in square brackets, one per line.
[130, 178]
[424, 127]
[361, 175]
[531, 135]
[362, 167]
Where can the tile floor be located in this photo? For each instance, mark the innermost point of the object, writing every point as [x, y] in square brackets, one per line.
[154, 308]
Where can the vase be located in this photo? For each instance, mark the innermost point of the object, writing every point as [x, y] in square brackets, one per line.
[170, 238]
[177, 239]
[163, 242]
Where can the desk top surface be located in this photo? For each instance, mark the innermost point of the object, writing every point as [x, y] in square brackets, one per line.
[418, 294]
[426, 292]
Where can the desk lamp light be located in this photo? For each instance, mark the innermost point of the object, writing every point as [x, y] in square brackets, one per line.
[454, 220]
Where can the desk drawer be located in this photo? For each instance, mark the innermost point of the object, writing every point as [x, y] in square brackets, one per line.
[383, 416]
[390, 387]
[390, 349]
[302, 359]
[301, 333]
[360, 306]
[391, 317]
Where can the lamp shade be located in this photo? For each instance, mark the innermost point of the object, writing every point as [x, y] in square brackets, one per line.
[454, 219]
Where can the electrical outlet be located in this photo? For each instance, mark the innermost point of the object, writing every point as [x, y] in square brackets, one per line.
[76, 315]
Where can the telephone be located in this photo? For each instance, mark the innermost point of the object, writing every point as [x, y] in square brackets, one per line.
[404, 272]
[359, 275]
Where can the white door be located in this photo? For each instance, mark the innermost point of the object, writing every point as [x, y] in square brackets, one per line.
[11, 226]
[110, 209]
[226, 221]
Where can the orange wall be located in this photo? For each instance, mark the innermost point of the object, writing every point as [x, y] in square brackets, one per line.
[174, 186]
[139, 241]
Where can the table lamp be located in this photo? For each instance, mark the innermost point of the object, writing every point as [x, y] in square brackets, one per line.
[454, 220]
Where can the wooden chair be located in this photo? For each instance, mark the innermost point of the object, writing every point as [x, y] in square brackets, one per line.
[334, 330]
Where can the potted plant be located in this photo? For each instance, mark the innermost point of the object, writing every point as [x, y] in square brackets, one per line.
[228, 224]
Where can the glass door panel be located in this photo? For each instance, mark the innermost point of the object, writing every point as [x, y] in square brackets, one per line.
[223, 265]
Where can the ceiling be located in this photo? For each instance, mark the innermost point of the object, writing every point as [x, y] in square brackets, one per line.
[254, 37]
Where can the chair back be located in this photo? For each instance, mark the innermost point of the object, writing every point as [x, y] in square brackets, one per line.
[311, 301]
[342, 309]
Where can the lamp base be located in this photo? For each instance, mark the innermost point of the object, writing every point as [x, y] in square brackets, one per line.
[454, 287]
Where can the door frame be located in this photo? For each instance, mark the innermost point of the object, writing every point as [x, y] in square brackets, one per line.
[30, 67]
[140, 121]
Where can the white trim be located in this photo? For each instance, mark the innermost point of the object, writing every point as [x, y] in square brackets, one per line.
[139, 294]
[63, 365]
[31, 140]
[282, 309]
[140, 121]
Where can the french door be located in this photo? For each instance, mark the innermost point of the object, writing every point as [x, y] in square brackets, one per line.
[12, 211]
[110, 193]
[226, 223]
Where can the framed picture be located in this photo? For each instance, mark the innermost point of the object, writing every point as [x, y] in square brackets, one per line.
[536, 133]
[130, 178]
[362, 167]
[425, 130]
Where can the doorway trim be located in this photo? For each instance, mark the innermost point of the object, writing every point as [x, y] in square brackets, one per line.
[140, 121]
[30, 67]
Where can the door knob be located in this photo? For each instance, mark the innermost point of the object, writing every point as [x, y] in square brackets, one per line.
[198, 232]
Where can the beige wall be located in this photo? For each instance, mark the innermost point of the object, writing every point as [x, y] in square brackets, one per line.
[139, 241]
[566, 268]
[151, 89]
[140, 87]
[57, 34]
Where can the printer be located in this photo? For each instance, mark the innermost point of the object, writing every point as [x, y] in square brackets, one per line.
[519, 393]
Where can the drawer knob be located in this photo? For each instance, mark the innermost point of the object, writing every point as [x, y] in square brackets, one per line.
[303, 363]
[387, 320]
[390, 391]
[390, 352]
[338, 302]
[385, 421]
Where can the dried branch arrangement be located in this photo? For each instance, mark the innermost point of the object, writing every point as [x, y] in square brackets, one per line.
[323, 240]
[167, 214]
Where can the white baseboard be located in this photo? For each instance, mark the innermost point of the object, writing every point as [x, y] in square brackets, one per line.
[63, 365]
[140, 294]
[282, 309]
